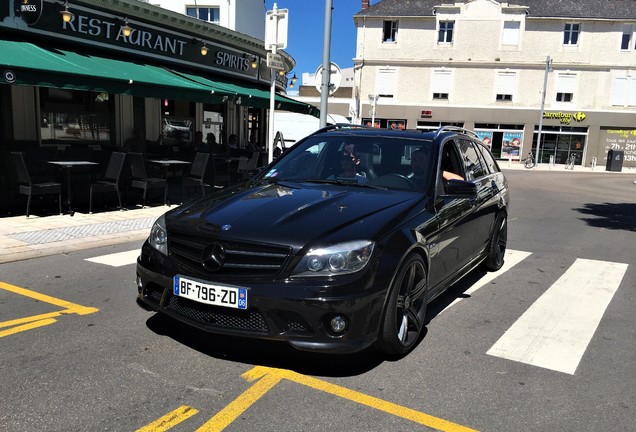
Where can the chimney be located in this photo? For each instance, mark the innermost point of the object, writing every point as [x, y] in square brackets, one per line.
[365, 4]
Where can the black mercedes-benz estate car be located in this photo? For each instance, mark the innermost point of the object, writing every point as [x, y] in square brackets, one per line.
[336, 246]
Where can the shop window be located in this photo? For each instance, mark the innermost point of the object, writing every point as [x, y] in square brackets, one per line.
[445, 34]
[76, 117]
[209, 14]
[571, 34]
[390, 31]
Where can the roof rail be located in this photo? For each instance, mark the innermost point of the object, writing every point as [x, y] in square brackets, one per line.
[341, 126]
[455, 129]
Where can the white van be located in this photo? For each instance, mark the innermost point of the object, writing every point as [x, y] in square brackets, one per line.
[295, 126]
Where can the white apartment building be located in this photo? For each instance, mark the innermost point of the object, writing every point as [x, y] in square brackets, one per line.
[485, 64]
[244, 16]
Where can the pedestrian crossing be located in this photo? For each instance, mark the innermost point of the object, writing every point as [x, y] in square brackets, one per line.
[553, 333]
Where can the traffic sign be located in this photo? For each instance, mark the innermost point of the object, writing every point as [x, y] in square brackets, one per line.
[276, 29]
[335, 78]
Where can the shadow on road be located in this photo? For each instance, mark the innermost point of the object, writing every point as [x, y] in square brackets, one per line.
[616, 216]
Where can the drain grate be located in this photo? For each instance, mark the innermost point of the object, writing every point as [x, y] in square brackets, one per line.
[82, 231]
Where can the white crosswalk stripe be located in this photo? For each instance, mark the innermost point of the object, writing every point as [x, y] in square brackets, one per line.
[117, 259]
[556, 330]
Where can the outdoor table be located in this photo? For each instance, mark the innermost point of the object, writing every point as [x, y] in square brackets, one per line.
[166, 164]
[68, 165]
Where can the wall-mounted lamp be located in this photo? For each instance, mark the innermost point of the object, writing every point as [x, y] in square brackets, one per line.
[204, 45]
[126, 30]
[67, 15]
[253, 60]
[293, 81]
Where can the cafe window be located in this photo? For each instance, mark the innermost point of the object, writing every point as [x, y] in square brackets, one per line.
[74, 116]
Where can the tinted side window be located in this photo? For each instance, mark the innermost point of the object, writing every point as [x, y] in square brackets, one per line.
[474, 166]
[488, 159]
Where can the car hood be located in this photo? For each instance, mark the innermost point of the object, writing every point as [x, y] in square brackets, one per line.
[291, 213]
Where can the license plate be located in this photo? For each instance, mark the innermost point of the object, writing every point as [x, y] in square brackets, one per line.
[210, 293]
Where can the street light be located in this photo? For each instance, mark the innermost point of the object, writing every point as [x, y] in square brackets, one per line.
[373, 100]
[548, 68]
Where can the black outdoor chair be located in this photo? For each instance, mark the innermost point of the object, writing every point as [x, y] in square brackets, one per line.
[112, 179]
[140, 179]
[28, 187]
[199, 175]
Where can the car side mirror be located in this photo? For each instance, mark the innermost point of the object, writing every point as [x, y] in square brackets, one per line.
[460, 189]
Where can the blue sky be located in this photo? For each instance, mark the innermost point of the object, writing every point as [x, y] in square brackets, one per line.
[306, 28]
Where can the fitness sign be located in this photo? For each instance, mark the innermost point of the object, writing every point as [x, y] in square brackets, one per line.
[29, 10]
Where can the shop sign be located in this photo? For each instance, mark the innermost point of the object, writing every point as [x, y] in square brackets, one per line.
[426, 114]
[29, 10]
[564, 117]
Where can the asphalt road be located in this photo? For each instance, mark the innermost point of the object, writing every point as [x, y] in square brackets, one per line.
[78, 354]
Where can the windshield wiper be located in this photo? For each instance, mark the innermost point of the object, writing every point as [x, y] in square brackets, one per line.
[342, 182]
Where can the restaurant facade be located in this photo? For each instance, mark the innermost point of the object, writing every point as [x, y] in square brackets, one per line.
[84, 77]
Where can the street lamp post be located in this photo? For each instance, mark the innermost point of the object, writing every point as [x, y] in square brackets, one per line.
[548, 68]
[326, 65]
[373, 100]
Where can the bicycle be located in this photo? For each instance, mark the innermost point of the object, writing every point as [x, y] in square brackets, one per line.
[529, 162]
[569, 164]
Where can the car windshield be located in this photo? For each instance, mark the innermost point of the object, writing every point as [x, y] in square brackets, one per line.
[389, 162]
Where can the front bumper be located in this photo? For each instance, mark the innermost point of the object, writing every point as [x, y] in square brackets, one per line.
[295, 311]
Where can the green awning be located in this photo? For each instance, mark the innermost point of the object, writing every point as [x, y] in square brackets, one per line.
[72, 70]
[36, 65]
[247, 95]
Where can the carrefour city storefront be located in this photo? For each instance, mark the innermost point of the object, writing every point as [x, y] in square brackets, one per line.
[91, 74]
[587, 136]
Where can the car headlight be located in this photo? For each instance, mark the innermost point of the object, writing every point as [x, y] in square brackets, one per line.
[342, 258]
[159, 236]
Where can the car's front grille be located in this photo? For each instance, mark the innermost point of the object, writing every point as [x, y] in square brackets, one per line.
[241, 259]
[228, 318]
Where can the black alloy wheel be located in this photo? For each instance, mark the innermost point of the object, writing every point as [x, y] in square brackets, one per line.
[404, 317]
[497, 247]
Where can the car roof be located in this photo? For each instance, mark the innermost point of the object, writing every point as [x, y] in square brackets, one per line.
[417, 134]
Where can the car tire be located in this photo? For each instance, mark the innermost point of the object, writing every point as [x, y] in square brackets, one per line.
[405, 312]
[497, 247]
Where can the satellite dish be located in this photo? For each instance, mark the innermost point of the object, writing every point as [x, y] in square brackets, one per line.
[335, 79]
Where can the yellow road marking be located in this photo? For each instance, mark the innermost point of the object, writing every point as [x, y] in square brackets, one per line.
[26, 327]
[72, 307]
[269, 377]
[231, 412]
[35, 321]
[169, 420]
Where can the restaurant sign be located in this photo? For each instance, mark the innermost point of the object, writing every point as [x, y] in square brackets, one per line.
[564, 117]
[91, 26]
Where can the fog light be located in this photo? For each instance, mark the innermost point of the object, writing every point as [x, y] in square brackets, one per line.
[338, 324]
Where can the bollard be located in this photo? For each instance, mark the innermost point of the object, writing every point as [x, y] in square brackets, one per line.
[593, 163]
[551, 161]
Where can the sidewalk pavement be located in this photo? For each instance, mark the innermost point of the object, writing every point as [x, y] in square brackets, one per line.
[24, 238]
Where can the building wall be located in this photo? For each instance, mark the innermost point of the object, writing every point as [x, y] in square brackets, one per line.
[251, 13]
[476, 56]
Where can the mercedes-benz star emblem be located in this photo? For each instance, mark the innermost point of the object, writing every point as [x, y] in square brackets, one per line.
[214, 257]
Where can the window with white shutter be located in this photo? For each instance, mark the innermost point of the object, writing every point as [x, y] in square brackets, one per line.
[565, 86]
[505, 85]
[385, 82]
[441, 83]
[510, 34]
